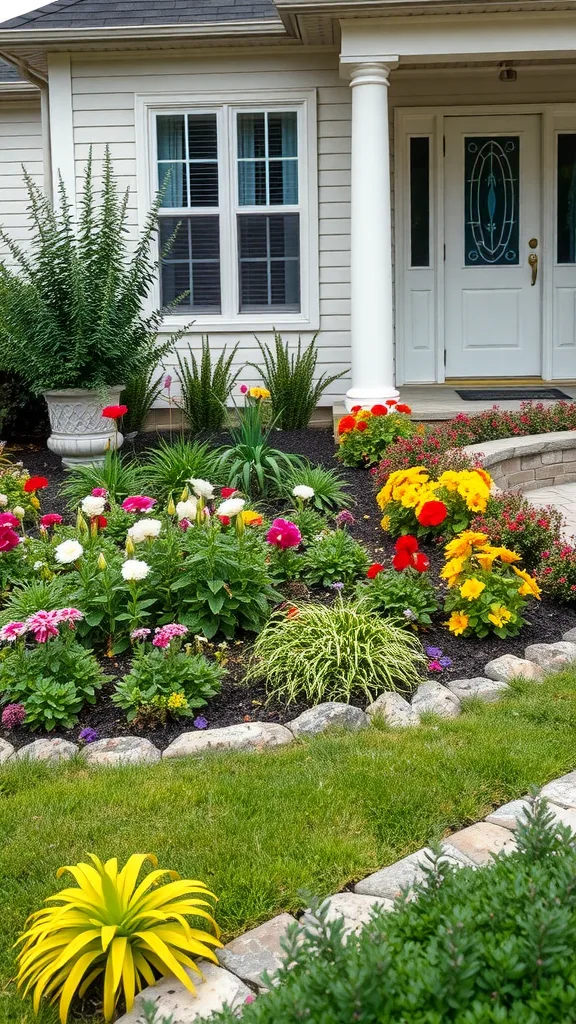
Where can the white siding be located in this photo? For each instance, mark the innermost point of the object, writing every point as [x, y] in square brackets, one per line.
[103, 96]
[20, 143]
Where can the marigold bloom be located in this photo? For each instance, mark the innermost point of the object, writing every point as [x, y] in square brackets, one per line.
[471, 589]
[458, 623]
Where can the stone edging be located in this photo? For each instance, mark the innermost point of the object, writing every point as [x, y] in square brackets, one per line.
[530, 462]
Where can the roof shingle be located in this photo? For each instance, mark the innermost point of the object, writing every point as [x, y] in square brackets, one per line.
[9, 74]
[118, 13]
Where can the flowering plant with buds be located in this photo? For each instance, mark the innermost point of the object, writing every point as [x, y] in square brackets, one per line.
[556, 572]
[511, 521]
[404, 591]
[415, 503]
[364, 434]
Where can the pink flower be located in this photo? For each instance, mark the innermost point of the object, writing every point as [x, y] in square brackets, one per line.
[69, 615]
[140, 634]
[13, 715]
[7, 519]
[51, 519]
[284, 534]
[99, 492]
[184, 524]
[167, 382]
[243, 389]
[164, 634]
[8, 539]
[434, 666]
[138, 503]
[44, 625]
[11, 631]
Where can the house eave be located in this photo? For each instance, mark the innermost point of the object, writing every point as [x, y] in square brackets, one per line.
[128, 33]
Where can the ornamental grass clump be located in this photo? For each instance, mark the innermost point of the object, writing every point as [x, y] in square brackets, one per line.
[414, 503]
[487, 592]
[316, 653]
[113, 933]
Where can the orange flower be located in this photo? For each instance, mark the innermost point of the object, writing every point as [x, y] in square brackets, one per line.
[346, 424]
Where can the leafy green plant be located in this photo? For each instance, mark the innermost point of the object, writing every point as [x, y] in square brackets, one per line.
[335, 557]
[139, 395]
[71, 310]
[409, 596]
[489, 945]
[111, 928]
[27, 598]
[318, 653]
[556, 572]
[331, 490]
[206, 388]
[169, 466]
[121, 477]
[309, 521]
[165, 681]
[364, 435]
[289, 377]
[251, 464]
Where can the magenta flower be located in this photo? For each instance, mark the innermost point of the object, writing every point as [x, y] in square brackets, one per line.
[8, 539]
[138, 503]
[69, 615]
[11, 631]
[7, 519]
[140, 634]
[167, 382]
[434, 666]
[284, 534]
[44, 625]
[184, 524]
[50, 519]
[165, 634]
[99, 492]
[243, 389]
[13, 715]
[345, 518]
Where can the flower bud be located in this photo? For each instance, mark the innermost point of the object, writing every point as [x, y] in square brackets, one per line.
[19, 512]
[130, 548]
[239, 524]
[102, 563]
[171, 508]
[81, 524]
[185, 494]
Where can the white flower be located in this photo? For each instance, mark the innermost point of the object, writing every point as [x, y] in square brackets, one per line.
[37, 565]
[134, 570]
[187, 509]
[68, 551]
[303, 491]
[145, 529]
[92, 506]
[202, 488]
[3, 500]
[231, 507]
[19, 511]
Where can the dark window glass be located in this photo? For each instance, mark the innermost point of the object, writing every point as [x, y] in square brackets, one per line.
[420, 202]
[566, 226]
[188, 159]
[269, 253]
[492, 201]
[268, 159]
[193, 263]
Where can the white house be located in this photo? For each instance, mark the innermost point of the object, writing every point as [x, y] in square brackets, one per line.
[399, 174]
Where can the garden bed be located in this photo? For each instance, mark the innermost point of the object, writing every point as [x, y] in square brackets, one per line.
[238, 702]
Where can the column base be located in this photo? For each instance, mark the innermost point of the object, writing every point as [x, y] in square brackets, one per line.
[367, 397]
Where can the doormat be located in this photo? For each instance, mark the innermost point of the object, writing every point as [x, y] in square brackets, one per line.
[511, 394]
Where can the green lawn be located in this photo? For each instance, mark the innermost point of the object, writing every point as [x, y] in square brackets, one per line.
[262, 828]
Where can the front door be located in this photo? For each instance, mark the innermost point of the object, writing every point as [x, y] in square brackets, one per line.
[493, 319]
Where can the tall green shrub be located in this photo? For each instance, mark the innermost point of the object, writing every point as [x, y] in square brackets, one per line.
[206, 388]
[289, 377]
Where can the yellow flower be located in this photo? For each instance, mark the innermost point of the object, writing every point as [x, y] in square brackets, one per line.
[529, 587]
[34, 501]
[449, 480]
[462, 545]
[485, 476]
[477, 502]
[260, 393]
[500, 615]
[485, 559]
[451, 570]
[385, 523]
[507, 556]
[383, 496]
[364, 414]
[251, 518]
[457, 623]
[472, 589]
[176, 702]
[411, 496]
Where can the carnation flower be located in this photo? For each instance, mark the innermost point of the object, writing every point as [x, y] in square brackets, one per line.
[43, 624]
[11, 631]
[88, 735]
[68, 551]
[284, 534]
[114, 412]
[140, 634]
[201, 488]
[231, 507]
[243, 389]
[164, 634]
[227, 492]
[138, 503]
[8, 539]
[69, 615]
[145, 529]
[8, 519]
[13, 715]
[187, 509]
[374, 570]
[345, 518]
[303, 491]
[35, 483]
[184, 524]
[99, 492]
[93, 506]
[134, 570]
[50, 519]
[167, 382]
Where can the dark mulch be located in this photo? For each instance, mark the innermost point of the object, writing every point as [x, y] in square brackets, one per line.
[236, 702]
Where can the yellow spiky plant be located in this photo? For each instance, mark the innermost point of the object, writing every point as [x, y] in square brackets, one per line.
[110, 925]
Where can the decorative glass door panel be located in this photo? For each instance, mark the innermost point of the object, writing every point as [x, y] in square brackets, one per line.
[492, 233]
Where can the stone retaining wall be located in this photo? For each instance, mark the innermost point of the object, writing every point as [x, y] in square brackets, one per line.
[529, 463]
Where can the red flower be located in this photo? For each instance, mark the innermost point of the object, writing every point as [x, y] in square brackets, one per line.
[432, 513]
[35, 483]
[362, 426]
[227, 492]
[8, 539]
[391, 402]
[114, 412]
[225, 520]
[51, 519]
[421, 562]
[374, 570]
[403, 408]
[292, 612]
[355, 408]
[101, 522]
[407, 543]
[7, 519]
[379, 410]
[402, 560]
[346, 424]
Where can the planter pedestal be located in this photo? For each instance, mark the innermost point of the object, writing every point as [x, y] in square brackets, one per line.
[80, 434]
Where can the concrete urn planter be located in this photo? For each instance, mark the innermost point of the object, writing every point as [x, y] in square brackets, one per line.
[80, 434]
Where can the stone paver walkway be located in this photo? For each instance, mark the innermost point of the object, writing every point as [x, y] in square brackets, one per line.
[563, 497]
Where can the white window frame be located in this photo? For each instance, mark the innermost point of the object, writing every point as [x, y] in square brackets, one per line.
[227, 106]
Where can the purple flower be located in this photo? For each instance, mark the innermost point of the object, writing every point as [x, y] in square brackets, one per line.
[434, 652]
[13, 715]
[409, 614]
[200, 722]
[337, 586]
[445, 661]
[89, 735]
[140, 634]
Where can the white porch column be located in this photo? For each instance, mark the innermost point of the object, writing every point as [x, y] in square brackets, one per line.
[371, 234]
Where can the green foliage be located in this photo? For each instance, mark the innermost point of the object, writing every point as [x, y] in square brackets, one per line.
[289, 378]
[329, 486]
[171, 464]
[71, 313]
[556, 573]
[366, 444]
[140, 393]
[396, 593]
[35, 596]
[475, 947]
[206, 388]
[166, 682]
[120, 476]
[332, 558]
[309, 521]
[251, 464]
[226, 584]
[53, 680]
[21, 413]
[322, 654]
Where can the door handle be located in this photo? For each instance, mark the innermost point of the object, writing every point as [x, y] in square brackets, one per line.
[533, 261]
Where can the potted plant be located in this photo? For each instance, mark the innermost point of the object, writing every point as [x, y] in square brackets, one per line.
[71, 311]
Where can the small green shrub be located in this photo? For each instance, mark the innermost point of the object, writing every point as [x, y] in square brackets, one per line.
[409, 596]
[334, 558]
[120, 476]
[331, 490]
[169, 466]
[289, 378]
[511, 521]
[251, 464]
[206, 388]
[316, 653]
[139, 395]
[488, 946]
[309, 521]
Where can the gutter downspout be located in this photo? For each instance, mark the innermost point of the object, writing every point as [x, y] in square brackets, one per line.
[41, 83]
